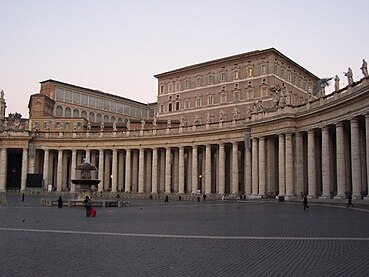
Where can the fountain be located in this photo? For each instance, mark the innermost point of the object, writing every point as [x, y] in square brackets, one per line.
[85, 184]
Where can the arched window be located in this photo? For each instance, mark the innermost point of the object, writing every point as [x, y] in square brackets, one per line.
[106, 118]
[120, 120]
[59, 110]
[113, 119]
[91, 117]
[75, 113]
[98, 118]
[67, 112]
[84, 114]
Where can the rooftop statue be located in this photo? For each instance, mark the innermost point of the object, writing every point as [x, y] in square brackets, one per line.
[364, 68]
[349, 76]
[336, 83]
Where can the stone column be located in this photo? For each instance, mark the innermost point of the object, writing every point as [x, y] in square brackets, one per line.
[107, 175]
[208, 169]
[161, 186]
[3, 167]
[262, 166]
[299, 168]
[45, 172]
[167, 170]
[148, 172]
[59, 171]
[248, 171]
[114, 184]
[195, 170]
[65, 180]
[255, 167]
[141, 170]
[128, 170]
[93, 162]
[281, 165]
[326, 169]
[101, 170]
[340, 156]
[154, 176]
[88, 155]
[134, 170]
[234, 186]
[120, 171]
[289, 166]
[73, 169]
[355, 159]
[175, 168]
[311, 165]
[181, 170]
[221, 172]
[24, 168]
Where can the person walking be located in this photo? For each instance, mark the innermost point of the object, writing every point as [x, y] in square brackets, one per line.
[349, 203]
[305, 202]
[166, 201]
[87, 203]
[60, 202]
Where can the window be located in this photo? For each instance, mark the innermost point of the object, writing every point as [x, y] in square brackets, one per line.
[84, 99]
[68, 112]
[198, 81]
[113, 119]
[198, 101]
[178, 86]
[67, 125]
[113, 106]
[68, 96]
[249, 72]
[59, 111]
[210, 100]
[210, 79]
[186, 84]
[282, 72]
[170, 87]
[106, 105]
[177, 106]
[289, 76]
[99, 103]
[76, 97]
[263, 69]
[84, 114]
[119, 108]
[249, 93]
[169, 107]
[223, 77]
[92, 101]
[223, 98]
[98, 117]
[161, 108]
[236, 74]
[126, 109]
[161, 89]
[59, 94]
[91, 117]
[106, 118]
[75, 113]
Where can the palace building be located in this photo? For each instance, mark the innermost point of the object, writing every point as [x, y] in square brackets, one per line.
[255, 125]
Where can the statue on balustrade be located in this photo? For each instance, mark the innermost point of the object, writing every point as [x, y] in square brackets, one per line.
[235, 113]
[88, 126]
[336, 83]
[221, 116]
[364, 68]
[102, 126]
[154, 123]
[115, 126]
[181, 121]
[349, 76]
[142, 124]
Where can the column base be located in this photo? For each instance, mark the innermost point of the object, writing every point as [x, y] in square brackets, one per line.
[290, 197]
[325, 197]
[311, 196]
[254, 196]
[366, 197]
[339, 197]
[357, 197]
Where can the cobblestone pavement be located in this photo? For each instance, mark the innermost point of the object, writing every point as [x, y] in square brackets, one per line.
[219, 238]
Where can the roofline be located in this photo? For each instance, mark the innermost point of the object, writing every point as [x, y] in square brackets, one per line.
[234, 57]
[93, 90]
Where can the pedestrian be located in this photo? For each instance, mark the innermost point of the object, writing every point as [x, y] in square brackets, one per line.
[166, 199]
[23, 197]
[87, 203]
[349, 203]
[305, 202]
[204, 197]
[60, 202]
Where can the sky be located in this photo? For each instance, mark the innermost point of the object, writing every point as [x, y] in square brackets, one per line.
[118, 46]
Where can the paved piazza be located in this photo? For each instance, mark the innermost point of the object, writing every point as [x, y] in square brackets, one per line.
[219, 238]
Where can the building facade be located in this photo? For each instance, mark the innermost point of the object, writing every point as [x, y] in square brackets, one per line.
[250, 124]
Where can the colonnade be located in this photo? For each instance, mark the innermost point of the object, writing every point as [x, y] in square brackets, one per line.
[325, 161]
